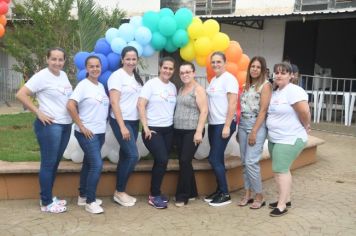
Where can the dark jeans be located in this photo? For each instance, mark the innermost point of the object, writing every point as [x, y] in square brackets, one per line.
[53, 140]
[216, 154]
[186, 187]
[128, 152]
[159, 145]
[92, 164]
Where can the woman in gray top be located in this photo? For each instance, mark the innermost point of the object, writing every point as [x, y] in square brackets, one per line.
[189, 120]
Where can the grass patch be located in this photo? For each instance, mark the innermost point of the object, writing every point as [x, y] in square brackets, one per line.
[17, 139]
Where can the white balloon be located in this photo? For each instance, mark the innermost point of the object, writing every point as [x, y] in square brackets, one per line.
[231, 145]
[73, 151]
[204, 147]
[113, 155]
[265, 151]
[142, 150]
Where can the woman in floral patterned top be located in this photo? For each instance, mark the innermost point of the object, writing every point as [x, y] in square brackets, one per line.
[252, 130]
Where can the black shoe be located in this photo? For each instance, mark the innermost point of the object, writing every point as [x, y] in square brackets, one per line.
[221, 200]
[276, 212]
[210, 197]
[274, 205]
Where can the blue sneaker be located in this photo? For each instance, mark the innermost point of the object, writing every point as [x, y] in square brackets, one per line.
[157, 202]
[164, 198]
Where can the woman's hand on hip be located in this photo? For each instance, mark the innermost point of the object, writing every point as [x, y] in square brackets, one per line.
[46, 120]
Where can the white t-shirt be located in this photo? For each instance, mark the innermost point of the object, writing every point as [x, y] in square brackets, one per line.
[161, 102]
[283, 123]
[217, 92]
[52, 94]
[93, 105]
[129, 90]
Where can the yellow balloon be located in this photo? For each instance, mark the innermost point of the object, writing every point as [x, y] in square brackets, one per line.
[202, 46]
[187, 52]
[201, 60]
[220, 42]
[197, 19]
[195, 30]
[210, 28]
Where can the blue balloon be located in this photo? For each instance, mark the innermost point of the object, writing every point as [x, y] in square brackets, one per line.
[101, 39]
[79, 59]
[111, 34]
[114, 61]
[81, 74]
[102, 47]
[166, 12]
[148, 51]
[143, 35]
[117, 45]
[104, 62]
[137, 46]
[126, 32]
[136, 21]
[103, 78]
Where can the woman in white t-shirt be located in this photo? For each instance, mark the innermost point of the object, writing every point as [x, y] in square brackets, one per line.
[156, 108]
[124, 87]
[288, 124]
[89, 107]
[53, 124]
[222, 101]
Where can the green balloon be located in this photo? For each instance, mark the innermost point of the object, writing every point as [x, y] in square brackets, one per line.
[180, 38]
[166, 12]
[150, 19]
[158, 41]
[183, 17]
[170, 46]
[167, 26]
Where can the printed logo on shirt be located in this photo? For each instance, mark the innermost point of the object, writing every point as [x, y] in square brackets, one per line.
[167, 95]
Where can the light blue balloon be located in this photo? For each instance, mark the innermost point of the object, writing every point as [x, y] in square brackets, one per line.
[126, 32]
[148, 51]
[150, 19]
[111, 34]
[143, 35]
[136, 21]
[117, 45]
[183, 17]
[137, 46]
[180, 38]
[167, 26]
[166, 12]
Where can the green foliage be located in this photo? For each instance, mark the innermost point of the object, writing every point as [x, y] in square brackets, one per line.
[42, 24]
[17, 139]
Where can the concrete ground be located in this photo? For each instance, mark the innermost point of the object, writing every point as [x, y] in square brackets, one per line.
[323, 204]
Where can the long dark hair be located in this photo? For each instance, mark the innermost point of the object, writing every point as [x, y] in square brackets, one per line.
[261, 79]
[135, 71]
[86, 62]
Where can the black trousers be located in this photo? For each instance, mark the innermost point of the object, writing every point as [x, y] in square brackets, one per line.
[186, 187]
[159, 145]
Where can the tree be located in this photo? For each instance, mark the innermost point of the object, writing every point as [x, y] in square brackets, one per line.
[42, 24]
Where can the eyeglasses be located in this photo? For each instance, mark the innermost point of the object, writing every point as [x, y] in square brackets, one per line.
[185, 72]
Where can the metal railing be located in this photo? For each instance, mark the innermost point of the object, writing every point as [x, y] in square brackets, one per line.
[332, 100]
[208, 7]
[10, 82]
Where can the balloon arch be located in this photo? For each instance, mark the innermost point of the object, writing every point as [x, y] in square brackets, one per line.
[154, 32]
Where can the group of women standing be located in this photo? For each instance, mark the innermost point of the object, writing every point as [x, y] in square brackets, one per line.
[165, 114]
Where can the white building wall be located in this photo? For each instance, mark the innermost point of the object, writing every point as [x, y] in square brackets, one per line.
[132, 7]
[263, 7]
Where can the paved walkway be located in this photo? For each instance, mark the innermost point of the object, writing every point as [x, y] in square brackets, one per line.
[323, 204]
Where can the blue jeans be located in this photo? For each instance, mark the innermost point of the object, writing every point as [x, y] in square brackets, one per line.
[92, 164]
[159, 145]
[251, 155]
[53, 140]
[216, 154]
[128, 152]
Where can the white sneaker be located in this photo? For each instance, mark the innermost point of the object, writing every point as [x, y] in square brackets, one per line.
[124, 200]
[82, 201]
[132, 199]
[94, 208]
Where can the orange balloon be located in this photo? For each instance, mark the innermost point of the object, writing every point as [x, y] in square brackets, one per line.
[232, 68]
[243, 62]
[2, 30]
[234, 52]
[241, 77]
[3, 20]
